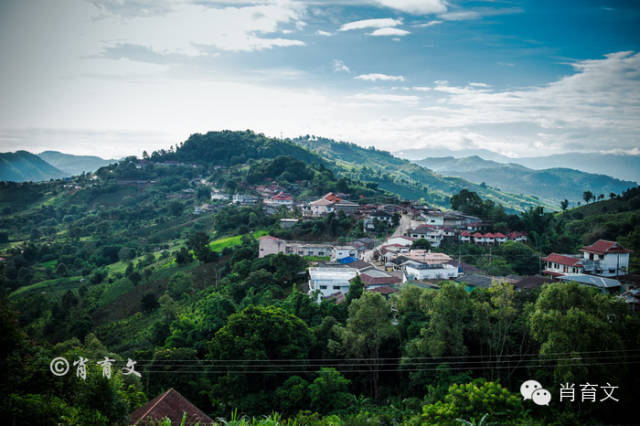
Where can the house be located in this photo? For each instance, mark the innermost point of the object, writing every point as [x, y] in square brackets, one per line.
[373, 278]
[340, 252]
[244, 199]
[328, 280]
[217, 195]
[379, 216]
[500, 238]
[559, 264]
[605, 258]
[605, 285]
[531, 282]
[434, 218]
[424, 265]
[384, 290]
[169, 405]
[465, 237]
[478, 238]
[472, 281]
[520, 237]
[331, 203]
[271, 245]
[400, 240]
[428, 232]
[280, 199]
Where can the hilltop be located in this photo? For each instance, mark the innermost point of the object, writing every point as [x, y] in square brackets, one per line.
[22, 166]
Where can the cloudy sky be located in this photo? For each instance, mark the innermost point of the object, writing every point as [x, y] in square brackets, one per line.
[115, 77]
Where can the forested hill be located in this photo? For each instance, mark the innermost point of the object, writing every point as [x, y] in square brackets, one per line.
[555, 184]
[227, 148]
[74, 165]
[406, 179]
[22, 166]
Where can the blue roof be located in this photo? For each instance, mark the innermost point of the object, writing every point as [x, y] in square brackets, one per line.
[346, 260]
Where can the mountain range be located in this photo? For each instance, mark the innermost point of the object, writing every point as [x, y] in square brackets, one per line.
[555, 184]
[620, 166]
[23, 166]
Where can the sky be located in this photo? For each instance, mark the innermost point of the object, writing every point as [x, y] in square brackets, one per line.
[521, 78]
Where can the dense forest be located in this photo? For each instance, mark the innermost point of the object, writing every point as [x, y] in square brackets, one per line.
[116, 264]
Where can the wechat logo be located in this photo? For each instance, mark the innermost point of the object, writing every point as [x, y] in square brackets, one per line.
[534, 391]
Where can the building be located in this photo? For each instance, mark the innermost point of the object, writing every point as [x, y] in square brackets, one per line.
[374, 278]
[605, 285]
[288, 223]
[605, 258]
[280, 199]
[169, 405]
[244, 199]
[340, 252]
[272, 245]
[418, 271]
[328, 280]
[331, 203]
[400, 240]
[557, 265]
[381, 216]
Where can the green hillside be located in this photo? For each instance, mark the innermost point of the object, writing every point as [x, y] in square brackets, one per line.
[407, 179]
[22, 166]
[553, 184]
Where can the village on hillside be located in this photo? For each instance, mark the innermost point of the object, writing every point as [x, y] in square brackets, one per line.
[383, 266]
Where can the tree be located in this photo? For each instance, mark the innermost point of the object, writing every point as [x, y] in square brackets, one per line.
[587, 196]
[61, 270]
[564, 204]
[368, 328]
[356, 288]
[198, 242]
[176, 208]
[421, 243]
[149, 302]
[330, 391]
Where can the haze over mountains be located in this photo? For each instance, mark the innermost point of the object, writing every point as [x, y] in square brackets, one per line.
[620, 166]
[23, 166]
[554, 184]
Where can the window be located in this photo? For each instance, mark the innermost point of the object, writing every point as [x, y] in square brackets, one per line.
[323, 287]
[336, 287]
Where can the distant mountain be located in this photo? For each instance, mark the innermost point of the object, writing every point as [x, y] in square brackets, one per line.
[620, 166]
[22, 166]
[407, 179]
[74, 164]
[553, 184]
[417, 154]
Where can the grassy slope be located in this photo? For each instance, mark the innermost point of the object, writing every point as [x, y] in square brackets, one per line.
[405, 178]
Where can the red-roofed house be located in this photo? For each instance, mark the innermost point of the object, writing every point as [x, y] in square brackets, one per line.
[558, 264]
[500, 238]
[478, 238]
[489, 238]
[465, 237]
[169, 405]
[606, 258]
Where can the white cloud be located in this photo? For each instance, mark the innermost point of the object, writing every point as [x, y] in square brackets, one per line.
[339, 66]
[371, 23]
[464, 15]
[376, 77]
[479, 85]
[324, 33]
[421, 88]
[417, 7]
[428, 24]
[389, 32]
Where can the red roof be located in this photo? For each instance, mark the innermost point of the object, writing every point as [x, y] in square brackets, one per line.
[172, 405]
[268, 237]
[477, 235]
[465, 234]
[499, 235]
[489, 235]
[604, 247]
[562, 260]
[282, 196]
[332, 197]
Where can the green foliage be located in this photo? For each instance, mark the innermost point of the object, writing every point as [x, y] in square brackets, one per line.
[329, 391]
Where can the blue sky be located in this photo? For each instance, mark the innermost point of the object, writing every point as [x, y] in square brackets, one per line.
[523, 78]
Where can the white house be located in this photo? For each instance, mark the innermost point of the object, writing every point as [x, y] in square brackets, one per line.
[559, 264]
[331, 203]
[400, 240]
[606, 258]
[414, 270]
[330, 280]
[340, 252]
